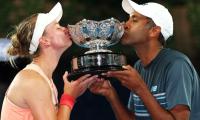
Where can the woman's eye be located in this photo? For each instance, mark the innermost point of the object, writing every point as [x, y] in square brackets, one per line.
[58, 27]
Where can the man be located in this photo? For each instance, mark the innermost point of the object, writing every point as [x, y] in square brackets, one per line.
[164, 84]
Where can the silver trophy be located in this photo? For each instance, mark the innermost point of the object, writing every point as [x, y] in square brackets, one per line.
[97, 36]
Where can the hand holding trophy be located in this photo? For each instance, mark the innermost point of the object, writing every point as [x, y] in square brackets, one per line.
[97, 36]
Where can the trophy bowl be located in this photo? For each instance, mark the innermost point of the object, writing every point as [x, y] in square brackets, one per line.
[97, 36]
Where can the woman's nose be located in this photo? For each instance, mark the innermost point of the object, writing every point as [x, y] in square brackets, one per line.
[65, 29]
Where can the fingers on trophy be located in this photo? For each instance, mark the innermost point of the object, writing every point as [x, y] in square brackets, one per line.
[97, 36]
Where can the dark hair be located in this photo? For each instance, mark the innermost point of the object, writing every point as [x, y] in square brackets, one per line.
[22, 36]
[151, 24]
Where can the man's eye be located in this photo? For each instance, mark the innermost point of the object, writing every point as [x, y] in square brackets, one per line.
[134, 20]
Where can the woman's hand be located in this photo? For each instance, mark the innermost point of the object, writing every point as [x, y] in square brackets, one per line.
[79, 86]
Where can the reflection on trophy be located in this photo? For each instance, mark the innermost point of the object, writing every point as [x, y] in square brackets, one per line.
[97, 36]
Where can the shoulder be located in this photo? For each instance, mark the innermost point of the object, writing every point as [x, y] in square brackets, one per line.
[178, 64]
[30, 76]
[173, 57]
[174, 53]
[26, 85]
[31, 81]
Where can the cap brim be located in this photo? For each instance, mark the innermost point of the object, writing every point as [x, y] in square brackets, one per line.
[129, 6]
[56, 12]
[42, 21]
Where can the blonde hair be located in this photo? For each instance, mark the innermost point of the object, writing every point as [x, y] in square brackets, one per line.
[21, 37]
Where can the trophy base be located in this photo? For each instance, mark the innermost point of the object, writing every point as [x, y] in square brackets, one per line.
[93, 71]
[96, 63]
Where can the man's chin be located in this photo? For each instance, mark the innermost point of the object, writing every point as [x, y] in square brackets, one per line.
[123, 42]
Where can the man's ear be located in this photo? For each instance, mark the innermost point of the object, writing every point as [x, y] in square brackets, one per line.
[155, 31]
[44, 41]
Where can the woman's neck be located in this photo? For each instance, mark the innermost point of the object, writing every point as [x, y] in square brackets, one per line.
[47, 62]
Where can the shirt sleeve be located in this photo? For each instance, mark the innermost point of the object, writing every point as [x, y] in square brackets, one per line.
[131, 103]
[179, 84]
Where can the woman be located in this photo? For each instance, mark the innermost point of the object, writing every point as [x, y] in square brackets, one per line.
[32, 94]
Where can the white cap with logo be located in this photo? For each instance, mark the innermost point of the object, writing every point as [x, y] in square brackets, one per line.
[44, 19]
[157, 12]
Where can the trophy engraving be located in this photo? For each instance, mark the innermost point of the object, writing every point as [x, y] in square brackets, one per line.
[97, 36]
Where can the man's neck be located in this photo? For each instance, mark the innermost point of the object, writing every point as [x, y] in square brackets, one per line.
[147, 54]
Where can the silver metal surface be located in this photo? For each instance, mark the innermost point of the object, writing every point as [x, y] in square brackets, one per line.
[96, 35]
[98, 60]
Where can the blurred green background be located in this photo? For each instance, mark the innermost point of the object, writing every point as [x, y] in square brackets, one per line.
[186, 15]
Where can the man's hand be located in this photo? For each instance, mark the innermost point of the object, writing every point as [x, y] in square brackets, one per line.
[129, 78]
[103, 87]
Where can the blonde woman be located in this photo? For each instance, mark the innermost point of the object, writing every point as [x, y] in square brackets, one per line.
[32, 94]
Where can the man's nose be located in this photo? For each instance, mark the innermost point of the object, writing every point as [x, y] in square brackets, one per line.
[126, 26]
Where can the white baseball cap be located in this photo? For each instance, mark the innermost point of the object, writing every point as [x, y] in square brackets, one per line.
[44, 19]
[157, 12]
